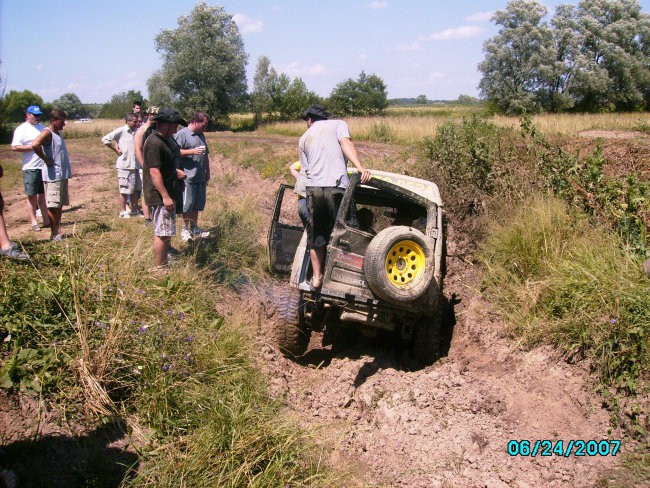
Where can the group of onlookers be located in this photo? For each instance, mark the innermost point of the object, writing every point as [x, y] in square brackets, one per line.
[169, 167]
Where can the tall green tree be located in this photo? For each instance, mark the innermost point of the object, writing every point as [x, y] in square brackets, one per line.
[593, 56]
[71, 105]
[276, 96]
[120, 104]
[613, 63]
[260, 97]
[159, 93]
[511, 74]
[364, 96]
[204, 62]
[15, 103]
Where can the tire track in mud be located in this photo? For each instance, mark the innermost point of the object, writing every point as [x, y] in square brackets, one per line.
[446, 425]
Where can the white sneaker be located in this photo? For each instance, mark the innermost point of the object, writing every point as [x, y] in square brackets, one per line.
[186, 235]
[125, 214]
[38, 212]
[198, 232]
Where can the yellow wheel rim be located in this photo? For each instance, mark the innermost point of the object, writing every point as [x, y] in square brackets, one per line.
[405, 262]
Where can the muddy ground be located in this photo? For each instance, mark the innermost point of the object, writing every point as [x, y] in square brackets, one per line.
[380, 423]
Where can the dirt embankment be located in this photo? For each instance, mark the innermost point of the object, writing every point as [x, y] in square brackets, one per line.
[447, 425]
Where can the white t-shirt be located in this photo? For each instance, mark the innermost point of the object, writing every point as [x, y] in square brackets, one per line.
[24, 135]
[321, 157]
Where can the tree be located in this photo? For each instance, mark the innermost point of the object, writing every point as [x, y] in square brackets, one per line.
[71, 105]
[260, 98]
[159, 93]
[120, 104]
[364, 96]
[421, 100]
[592, 56]
[204, 62]
[510, 69]
[277, 97]
[613, 63]
[16, 102]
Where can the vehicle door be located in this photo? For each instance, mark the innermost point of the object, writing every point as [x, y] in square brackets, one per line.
[285, 231]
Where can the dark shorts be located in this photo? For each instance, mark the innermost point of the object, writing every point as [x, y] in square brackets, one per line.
[303, 212]
[194, 196]
[323, 203]
[33, 182]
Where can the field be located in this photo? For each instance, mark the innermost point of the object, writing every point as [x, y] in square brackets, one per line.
[175, 378]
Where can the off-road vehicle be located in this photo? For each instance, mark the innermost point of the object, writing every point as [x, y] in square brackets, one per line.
[383, 269]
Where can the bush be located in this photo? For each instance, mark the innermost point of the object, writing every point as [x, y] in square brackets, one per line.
[560, 279]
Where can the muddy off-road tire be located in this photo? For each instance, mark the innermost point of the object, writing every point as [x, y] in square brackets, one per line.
[291, 333]
[399, 264]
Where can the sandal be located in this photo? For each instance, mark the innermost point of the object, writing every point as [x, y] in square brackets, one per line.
[315, 284]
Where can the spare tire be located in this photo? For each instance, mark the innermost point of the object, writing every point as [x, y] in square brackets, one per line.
[399, 264]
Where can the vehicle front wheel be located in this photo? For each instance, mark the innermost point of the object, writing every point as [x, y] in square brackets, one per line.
[291, 333]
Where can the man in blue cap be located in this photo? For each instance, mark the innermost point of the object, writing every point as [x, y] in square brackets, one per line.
[24, 135]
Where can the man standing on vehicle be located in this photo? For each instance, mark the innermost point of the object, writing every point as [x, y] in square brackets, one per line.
[325, 148]
[24, 135]
[160, 182]
[195, 163]
[120, 140]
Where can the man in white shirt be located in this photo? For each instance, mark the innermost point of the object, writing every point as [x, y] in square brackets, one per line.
[24, 135]
[130, 185]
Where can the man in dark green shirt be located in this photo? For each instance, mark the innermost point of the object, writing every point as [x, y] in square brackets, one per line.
[160, 180]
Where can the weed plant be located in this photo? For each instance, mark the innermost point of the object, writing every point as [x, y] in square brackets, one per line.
[87, 327]
[561, 279]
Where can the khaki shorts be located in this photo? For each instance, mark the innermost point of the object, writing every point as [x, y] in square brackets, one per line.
[129, 181]
[56, 193]
[164, 222]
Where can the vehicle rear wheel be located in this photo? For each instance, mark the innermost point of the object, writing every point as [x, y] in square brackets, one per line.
[291, 333]
[399, 264]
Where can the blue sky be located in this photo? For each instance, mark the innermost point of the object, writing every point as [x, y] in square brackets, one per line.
[96, 48]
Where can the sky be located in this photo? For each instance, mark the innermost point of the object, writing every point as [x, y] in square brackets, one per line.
[96, 49]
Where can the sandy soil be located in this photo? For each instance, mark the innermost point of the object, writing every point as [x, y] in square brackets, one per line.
[447, 425]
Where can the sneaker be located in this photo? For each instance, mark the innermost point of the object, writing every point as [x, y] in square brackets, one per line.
[14, 253]
[38, 212]
[186, 235]
[125, 214]
[137, 213]
[198, 232]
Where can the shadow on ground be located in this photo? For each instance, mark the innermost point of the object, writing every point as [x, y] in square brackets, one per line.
[383, 349]
[70, 462]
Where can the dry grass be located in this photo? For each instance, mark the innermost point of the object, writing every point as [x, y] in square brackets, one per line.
[409, 127]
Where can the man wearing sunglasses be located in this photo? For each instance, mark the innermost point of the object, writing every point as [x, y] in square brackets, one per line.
[24, 135]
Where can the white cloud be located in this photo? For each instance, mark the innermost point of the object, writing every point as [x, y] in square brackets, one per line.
[458, 33]
[435, 76]
[39, 67]
[377, 5]
[246, 24]
[74, 86]
[363, 56]
[414, 46]
[480, 17]
[131, 75]
[294, 69]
